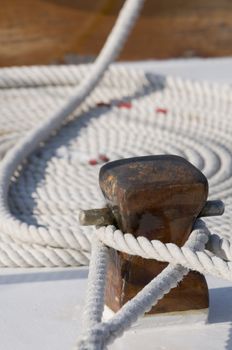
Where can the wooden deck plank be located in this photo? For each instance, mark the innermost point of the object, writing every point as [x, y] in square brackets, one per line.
[47, 31]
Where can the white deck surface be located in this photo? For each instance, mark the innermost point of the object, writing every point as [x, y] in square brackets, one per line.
[41, 308]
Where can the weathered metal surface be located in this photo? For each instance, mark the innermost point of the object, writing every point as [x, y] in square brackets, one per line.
[104, 216]
[158, 197]
[213, 208]
[97, 217]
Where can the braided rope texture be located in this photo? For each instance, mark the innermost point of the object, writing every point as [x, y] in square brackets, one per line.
[98, 335]
[204, 261]
[29, 243]
[130, 113]
[43, 184]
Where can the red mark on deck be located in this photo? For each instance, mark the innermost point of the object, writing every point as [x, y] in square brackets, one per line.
[126, 105]
[93, 162]
[103, 158]
[102, 104]
[162, 110]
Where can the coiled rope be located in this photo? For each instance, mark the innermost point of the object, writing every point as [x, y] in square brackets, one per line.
[130, 113]
[24, 244]
[47, 174]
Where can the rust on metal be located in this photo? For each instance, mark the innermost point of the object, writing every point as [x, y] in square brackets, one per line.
[97, 217]
[104, 216]
[158, 197]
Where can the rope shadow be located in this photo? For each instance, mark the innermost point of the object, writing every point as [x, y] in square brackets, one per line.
[44, 276]
[69, 130]
[220, 310]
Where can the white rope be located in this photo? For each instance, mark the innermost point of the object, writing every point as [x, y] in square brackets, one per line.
[96, 284]
[169, 252]
[40, 227]
[44, 181]
[94, 307]
[19, 230]
[220, 246]
[99, 334]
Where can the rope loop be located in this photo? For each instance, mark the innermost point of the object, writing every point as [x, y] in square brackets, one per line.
[103, 333]
[202, 261]
[38, 211]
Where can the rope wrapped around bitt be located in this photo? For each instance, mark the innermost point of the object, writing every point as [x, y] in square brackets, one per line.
[98, 335]
[202, 261]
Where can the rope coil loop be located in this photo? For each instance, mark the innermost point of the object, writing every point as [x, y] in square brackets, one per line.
[202, 261]
[44, 181]
[99, 334]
